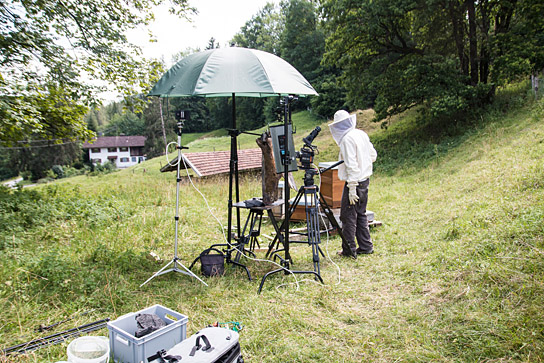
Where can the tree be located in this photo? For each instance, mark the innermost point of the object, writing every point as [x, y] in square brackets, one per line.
[302, 42]
[155, 142]
[40, 158]
[58, 45]
[212, 44]
[262, 31]
[126, 123]
[447, 55]
[303, 46]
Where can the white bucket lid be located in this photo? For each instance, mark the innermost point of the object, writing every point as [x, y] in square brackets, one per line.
[89, 349]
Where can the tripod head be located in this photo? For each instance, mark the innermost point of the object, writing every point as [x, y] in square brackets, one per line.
[309, 177]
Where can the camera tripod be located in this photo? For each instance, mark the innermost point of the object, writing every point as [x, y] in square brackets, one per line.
[313, 201]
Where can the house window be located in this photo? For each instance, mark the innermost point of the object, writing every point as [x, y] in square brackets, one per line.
[123, 149]
[95, 150]
[112, 149]
[134, 159]
[124, 160]
[96, 161]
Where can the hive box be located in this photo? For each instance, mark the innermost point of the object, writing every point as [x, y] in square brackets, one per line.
[299, 214]
[331, 186]
[126, 348]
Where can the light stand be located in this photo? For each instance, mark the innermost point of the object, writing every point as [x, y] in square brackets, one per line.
[181, 116]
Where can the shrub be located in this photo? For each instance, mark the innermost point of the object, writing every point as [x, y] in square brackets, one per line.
[58, 170]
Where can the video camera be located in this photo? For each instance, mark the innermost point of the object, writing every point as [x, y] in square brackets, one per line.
[181, 116]
[308, 151]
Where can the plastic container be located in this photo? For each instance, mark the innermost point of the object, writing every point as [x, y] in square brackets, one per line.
[126, 348]
[89, 350]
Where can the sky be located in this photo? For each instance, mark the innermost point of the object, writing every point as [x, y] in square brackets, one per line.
[220, 19]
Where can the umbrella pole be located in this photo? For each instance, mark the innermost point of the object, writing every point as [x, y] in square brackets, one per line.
[286, 161]
[233, 173]
[236, 179]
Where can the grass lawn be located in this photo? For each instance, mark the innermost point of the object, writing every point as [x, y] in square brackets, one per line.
[457, 274]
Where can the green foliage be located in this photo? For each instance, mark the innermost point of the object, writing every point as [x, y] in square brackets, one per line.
[40, 158]
[99, 169]
[399, 55]
[58, 170]
[520, 51]
[263, 31]
[331, 95]
[19, 210]
[303, 46]
[40, 111]
[28, 209]
[126, 123]
[302, 41]
[6, 171]
[63, 41]
[200, 120]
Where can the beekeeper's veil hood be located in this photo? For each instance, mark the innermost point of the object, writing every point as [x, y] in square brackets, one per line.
[342, 124]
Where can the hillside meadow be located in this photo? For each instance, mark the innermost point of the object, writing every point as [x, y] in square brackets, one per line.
[457, 274]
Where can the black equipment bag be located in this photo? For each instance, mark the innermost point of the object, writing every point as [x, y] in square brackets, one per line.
[212, 264]
[210, 345]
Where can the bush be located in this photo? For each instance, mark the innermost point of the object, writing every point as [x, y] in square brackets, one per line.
[26, 175]
[70, 171]
[58, 170]
[7, 173]
[103, 169]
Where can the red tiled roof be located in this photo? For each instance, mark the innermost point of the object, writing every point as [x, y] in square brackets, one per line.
[217, 162]
[116, 141]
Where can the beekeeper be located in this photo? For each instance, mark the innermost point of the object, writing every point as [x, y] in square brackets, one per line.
[358, 154]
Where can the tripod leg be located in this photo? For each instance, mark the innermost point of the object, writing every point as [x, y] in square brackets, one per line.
[314, 236]
[160, 272]
[312, 223]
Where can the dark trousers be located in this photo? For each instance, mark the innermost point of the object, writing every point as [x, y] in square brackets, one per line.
[354, 220]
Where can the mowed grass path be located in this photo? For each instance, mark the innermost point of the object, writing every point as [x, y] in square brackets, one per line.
[457, 274]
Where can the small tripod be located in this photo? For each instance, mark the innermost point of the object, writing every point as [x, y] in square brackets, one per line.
[176, 260]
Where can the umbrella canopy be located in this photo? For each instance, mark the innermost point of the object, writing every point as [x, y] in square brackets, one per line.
[223, 72]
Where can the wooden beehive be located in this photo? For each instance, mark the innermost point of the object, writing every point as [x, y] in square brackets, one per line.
[331, 186]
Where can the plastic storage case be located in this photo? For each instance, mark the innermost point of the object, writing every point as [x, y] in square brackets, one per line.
[126, 348]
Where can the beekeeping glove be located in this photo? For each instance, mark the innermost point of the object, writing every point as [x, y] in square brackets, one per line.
[353, 197]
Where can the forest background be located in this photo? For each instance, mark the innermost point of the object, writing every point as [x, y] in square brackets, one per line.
[446, 58]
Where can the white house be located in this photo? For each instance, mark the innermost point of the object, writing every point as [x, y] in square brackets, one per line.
[124, 151]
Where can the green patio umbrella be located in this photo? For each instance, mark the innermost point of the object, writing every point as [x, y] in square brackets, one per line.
[223, 72]
[231, 72]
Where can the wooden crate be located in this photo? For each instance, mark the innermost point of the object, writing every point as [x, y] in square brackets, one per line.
[331, 188]
[299, 214]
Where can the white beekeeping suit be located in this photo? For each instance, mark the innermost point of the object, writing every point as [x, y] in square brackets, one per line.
[356, 150]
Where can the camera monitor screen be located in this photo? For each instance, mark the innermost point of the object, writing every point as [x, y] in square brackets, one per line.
[281, 143]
